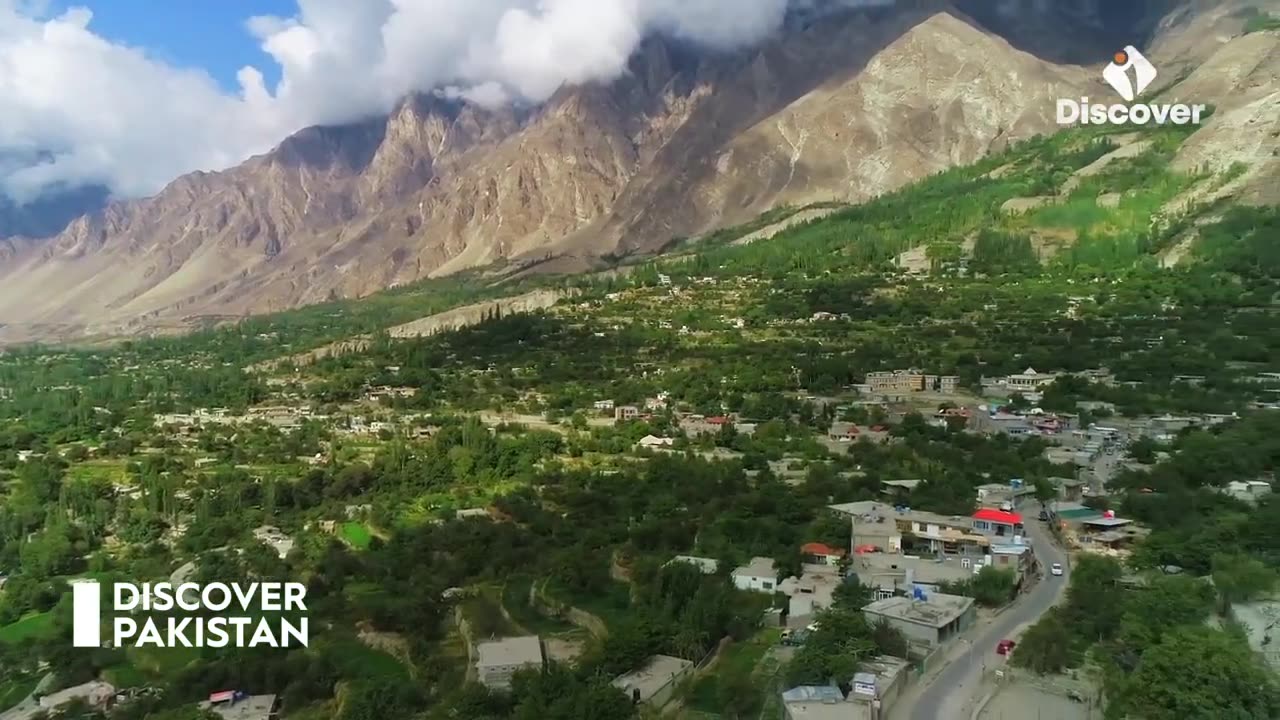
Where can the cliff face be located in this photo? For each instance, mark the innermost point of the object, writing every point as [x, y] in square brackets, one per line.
[840, 108]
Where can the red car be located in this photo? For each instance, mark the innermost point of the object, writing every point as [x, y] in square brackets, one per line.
[1004, 647]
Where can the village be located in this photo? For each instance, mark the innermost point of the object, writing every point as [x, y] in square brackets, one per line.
[907, 559]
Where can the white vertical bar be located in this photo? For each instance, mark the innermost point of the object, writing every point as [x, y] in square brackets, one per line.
[86, 614]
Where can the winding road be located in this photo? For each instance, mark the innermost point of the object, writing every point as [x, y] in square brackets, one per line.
[951, 694]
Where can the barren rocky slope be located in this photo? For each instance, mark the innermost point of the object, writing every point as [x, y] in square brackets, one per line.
[843, 109]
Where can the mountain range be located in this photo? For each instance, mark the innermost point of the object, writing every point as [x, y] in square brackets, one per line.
[835, 108]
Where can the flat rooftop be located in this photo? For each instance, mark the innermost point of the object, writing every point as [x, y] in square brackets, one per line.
[937, 611]
[886, 668]
[254, 707]
[868, 510]
[758, 567]
[812, 693]
[708, 566]
[1108, 522]
[525, 650]
[819, 702]
[656, 674]
[925, 570]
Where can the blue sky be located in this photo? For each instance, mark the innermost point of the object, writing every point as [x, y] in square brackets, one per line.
[208, 34]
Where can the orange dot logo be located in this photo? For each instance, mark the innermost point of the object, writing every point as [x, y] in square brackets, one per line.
[1121, 57]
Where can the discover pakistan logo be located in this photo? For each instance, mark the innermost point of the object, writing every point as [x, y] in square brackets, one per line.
[1117, 76]
[261, 614]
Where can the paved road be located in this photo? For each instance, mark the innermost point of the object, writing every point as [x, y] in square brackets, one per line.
[950, 694]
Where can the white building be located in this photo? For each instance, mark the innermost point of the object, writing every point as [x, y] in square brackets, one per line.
[708, 566]
[1248, 490]
[498, 660]
[814, 590]
[1029, 380]
[759, 575]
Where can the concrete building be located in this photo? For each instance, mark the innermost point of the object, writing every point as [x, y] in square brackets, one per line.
[1248, 490]
[899, 487]
[1021, 559]
[895, 382]
[1028, 381]
[880, 527]
[698, 425]
[998, 523]
[873, 691]
[873, 526]
[654, 442]
[654, 683]
[234, 706]
[878, 685]
[1069, 489]
[759, 575]
[892, 574]
[813, 591]
[843, 432]
[623, 413]
[822, 554]
[815, 702]
[928, 619]
[901, 382]
[498, 660]
[708, 566]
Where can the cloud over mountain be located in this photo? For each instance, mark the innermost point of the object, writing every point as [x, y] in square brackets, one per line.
[93, 111]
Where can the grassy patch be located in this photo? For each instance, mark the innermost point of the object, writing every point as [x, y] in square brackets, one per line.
[110, 470]
[355, 659]
[356, 534]
[163, 662]
[515, 598]
[15, 691]
[612, 605]
[1260, 22]
[737, 660]
[36, 625]
[125, 676]
[485, 619]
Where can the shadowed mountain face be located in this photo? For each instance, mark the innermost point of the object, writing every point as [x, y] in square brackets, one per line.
[50, 213]
[839, 106]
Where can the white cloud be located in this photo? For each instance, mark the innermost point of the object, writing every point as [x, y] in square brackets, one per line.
[112, 114]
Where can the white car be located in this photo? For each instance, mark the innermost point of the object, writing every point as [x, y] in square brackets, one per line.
[1055, 569]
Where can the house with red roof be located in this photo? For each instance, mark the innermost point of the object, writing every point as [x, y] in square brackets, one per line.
[818, 552]
[997, 523]
[843, 432]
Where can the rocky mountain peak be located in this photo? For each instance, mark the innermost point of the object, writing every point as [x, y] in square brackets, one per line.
[843, 104]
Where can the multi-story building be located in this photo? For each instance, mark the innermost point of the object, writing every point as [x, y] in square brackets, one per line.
[883, 528]
[898, 382]
[895, 382]
[997, 523]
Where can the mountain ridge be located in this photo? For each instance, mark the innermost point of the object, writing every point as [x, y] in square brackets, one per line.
[683, 143]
